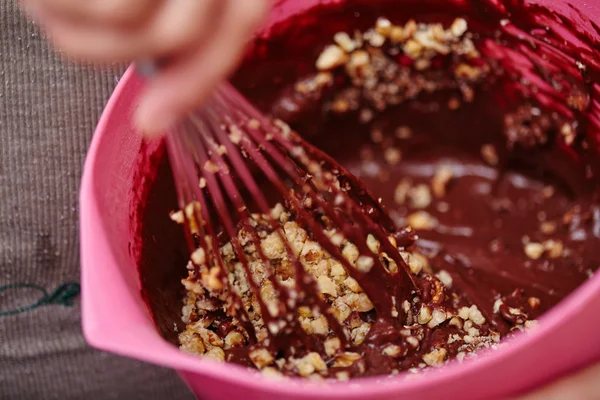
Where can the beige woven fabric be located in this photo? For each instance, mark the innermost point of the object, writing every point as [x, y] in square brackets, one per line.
[48, 110]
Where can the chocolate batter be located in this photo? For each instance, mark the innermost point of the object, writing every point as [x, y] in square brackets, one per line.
[497, 180]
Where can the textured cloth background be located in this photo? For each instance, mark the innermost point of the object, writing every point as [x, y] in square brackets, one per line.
[48, 110]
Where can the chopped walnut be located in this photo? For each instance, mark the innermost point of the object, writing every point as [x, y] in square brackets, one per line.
[216, 354]
[534, 302]
[177, 216]
[376, 39]
[489, 154]
[458, 27]
[365, 263]
[401, 191]
[440, 180]
[393, 351]
[261, 357]
[403, 132]
[414, 263]
[420, 196]
[548, 227]
[211, 166]
[392, 155]
[468, 71]
[445, 278]
[331, 57]
[346, 359]
[476, 316]
[327, 286]
[534, 250]
[530, 324]
[332, 346]
[424, 315]
[436, 357]
[422, 220]
[437, 317]
[350, 253]
[383, 26]
[234, 339]
[345, 42]
[199, 256]
[554, 248]
[311, 362]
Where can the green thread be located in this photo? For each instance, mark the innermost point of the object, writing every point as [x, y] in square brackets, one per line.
[62, 295]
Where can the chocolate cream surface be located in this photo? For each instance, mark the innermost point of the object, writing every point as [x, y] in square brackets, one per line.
[497, 186]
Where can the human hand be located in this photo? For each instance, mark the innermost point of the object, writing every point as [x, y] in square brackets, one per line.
[200, 41]
[583, 385]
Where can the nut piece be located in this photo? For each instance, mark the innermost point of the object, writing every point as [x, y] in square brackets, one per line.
[234, 339]
[210, 279]
[424, 315]
[413, 49]
[530, 324]
[412, 341]
[476, 316]
[420, 196]
[332, 345]
[437, 318]
[548, 227]
[464, 313]
[401, 192]
[422, 220]
[457, 322]
[199, 256]
[216, 354]
[458, 27]
[534, 302]
[392, 155]
[271, 372]
[376, 39]
[383, 26]
[440, 180]
[397, 34]
[310, 363]
[534, 250]
[393, 351]
[414, 263]
[554, 248]
[261, 357]
[489, 154]
[177, 216]
[345, 41]
[346, 359]
[365, 263]
[373, 244]
[435, 358]
[445, 278]
[403, 132]
[331, 57]
[497, 305]
[350, 253]
[327, 286]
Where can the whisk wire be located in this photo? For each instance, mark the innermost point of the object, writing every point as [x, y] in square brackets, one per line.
[228, 143]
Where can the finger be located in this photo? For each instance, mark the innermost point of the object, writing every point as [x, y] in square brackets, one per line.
[584, 385]
[179, 25]
[33, 9]
[182, 86]
[104, 12]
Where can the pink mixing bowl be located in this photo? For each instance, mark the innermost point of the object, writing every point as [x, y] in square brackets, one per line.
[116, 318]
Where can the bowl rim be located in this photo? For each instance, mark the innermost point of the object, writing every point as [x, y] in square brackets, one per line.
[147, 344]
